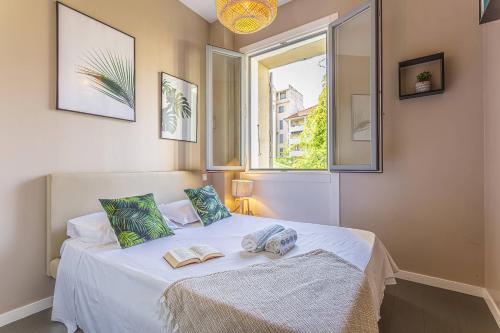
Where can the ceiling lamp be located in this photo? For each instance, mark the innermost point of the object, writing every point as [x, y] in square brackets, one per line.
[246, 16]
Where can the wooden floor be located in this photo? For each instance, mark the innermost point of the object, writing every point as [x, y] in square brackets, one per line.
[408, 308]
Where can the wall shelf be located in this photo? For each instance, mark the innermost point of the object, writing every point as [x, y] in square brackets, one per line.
[409, 69]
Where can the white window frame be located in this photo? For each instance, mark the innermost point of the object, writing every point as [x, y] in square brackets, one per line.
[210, 50]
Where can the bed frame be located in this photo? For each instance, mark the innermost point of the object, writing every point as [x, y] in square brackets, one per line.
[75, 194]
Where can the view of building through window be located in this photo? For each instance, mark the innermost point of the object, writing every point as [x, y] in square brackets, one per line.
[289, 107]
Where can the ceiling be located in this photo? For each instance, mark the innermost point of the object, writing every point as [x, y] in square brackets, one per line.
[206, 8]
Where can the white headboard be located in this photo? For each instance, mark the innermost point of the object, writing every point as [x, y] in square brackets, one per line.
[75, 194]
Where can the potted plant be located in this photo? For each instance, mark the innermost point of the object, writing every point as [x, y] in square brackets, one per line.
[423, 82]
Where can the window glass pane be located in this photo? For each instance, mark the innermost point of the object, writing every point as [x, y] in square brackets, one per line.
[353, 95]
[288, 107]
[226, 108]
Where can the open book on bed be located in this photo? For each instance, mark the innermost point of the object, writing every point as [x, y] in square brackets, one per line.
[193, 255]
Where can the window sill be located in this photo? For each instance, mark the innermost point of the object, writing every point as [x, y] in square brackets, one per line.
[320, 176]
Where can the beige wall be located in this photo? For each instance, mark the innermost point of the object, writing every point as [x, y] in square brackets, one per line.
[220, 36]
[491, 79]
[427, 206]
[297, 13]
[36, 140]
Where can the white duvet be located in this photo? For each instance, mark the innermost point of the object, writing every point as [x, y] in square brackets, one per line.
[102, 288]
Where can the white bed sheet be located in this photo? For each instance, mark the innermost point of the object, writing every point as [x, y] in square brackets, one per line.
[102, 288]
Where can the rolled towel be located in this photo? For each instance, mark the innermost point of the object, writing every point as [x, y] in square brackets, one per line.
[282, 242]
[256, 241]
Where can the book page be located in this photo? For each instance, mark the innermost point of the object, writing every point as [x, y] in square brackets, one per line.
[181, 255]
[205, 252]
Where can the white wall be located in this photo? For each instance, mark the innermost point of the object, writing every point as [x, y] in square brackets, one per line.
[302, 197]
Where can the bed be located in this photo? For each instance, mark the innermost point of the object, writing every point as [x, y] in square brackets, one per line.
[102, 288]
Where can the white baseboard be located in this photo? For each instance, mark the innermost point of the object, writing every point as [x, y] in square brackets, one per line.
[432, 281]
[25, 311]
[492, 305]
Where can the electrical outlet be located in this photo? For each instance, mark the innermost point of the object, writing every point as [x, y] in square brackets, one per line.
[204, 177]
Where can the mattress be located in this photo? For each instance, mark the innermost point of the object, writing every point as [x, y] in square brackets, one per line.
[103, 288]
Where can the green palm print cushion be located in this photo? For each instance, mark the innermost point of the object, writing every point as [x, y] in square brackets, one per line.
[207, 204]
[135, 220]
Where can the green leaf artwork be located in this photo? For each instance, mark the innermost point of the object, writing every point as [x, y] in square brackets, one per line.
[176, 106]
[111, 75]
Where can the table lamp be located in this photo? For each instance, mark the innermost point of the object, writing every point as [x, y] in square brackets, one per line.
[242, 191]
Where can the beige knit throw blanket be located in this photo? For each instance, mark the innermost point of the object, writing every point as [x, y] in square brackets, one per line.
[315, 292]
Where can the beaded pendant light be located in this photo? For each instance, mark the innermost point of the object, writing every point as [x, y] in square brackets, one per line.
[246, 16]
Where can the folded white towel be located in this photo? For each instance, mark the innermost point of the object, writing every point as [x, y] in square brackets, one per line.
[282, 242]
[256, 241]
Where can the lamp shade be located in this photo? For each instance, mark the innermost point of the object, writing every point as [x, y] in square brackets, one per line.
[242, 188]
[246, 16]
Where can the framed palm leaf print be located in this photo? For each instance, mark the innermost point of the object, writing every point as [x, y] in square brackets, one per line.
[179, 109]
[95, 66]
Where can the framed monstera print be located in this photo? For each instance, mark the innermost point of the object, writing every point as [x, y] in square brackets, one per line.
[95, 66]
[179, 109]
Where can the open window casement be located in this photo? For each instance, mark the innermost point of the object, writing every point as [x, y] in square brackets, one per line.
[277, 115]
[354, 91]
[225, 109]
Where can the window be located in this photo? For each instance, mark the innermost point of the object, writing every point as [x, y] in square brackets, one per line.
[298, 72]
[330, 80]
[225, 150]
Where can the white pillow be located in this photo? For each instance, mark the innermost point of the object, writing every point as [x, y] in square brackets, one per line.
[95, 228]
[92, 228]
[181, 212]
[171, 224]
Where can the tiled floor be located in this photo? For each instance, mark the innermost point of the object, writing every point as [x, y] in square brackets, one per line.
[408, 308]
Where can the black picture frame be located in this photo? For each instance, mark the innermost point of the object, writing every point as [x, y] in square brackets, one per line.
[489, 12]
[58, 104]
[160, 129]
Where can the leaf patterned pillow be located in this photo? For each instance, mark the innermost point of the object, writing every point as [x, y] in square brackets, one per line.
[207, 204]
[135, 220]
